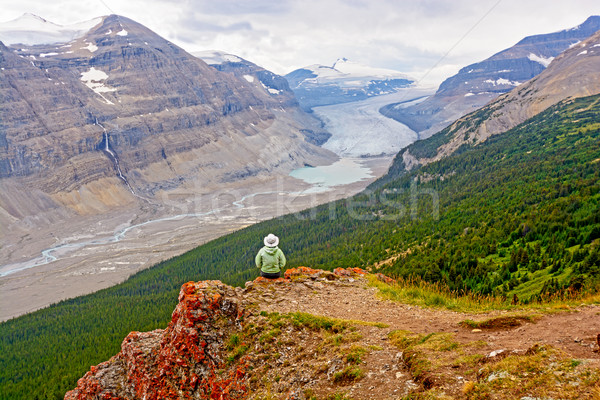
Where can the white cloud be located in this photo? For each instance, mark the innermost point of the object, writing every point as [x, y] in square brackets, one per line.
[431, 38]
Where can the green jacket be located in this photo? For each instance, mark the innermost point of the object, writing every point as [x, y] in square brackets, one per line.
[270, 259]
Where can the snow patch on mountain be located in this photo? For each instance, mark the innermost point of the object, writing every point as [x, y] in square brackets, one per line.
[32, 30]
[214, 57]
[270, 89]
[574, 44]
[545, 61]
[93, 79]
[502, 81]
[90, 47]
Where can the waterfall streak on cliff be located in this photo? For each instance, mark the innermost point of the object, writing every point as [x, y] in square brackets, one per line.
[114, 158]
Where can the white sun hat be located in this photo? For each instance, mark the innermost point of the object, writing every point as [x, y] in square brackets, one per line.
[271, 240]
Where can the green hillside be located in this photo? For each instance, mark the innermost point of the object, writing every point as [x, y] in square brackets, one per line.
[518, 214]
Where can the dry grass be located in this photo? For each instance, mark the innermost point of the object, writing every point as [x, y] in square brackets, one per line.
[445, 368]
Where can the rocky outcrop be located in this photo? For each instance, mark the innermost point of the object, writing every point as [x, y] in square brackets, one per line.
[477, 84]
[182, 361]
[324, 335]
[191, 358]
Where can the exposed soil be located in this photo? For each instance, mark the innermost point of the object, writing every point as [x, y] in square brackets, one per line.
[574, 331]
[387, 375]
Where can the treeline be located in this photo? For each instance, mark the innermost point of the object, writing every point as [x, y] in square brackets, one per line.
[516, 215]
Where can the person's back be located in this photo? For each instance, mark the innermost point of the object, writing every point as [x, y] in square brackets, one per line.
[270, 259]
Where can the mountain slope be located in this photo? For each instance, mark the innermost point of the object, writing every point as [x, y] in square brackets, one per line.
[517, 214]
[138, 87]
[262, 78]
[572, 74]
[477, 84]
[345, 81]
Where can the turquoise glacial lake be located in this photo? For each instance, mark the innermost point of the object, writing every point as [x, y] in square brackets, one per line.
[341, 172]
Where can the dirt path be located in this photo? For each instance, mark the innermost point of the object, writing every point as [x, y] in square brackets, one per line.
[444, 358]
[573, 331]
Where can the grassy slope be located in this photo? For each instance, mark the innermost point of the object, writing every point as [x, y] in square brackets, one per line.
[535, 184]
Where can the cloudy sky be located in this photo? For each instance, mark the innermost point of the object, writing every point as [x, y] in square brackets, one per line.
[427, 39]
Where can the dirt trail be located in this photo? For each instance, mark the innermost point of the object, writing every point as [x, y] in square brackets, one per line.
[388, 373]
[573, 331]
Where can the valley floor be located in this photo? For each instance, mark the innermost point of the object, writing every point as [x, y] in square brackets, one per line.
[96, 260]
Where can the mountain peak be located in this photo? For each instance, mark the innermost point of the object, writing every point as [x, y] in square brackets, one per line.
[29, 16]
[358, 70]
[344, 81]
[593, 20]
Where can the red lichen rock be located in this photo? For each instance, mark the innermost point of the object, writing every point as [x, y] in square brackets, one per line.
[261, 279]
[349, 271]
[184, 361]
[188, 359]
[385, 279]
[306, 272]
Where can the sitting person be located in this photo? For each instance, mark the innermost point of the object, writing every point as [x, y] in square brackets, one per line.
[270, 259]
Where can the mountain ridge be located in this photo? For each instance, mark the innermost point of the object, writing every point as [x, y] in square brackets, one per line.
[479, 83]
[344, 81]
[111, 90]
[30, 29]
[570, 75]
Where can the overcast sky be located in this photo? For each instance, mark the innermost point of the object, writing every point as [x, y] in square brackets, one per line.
[427, 39]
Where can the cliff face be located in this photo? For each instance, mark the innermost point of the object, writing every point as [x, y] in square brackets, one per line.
[125, 107]
[477, 84]
[264, 80]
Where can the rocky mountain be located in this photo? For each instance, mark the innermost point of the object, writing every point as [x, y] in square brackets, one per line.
[477, 84]
[343, 82]
[262, 78]
[572, 74]
[115, 114]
